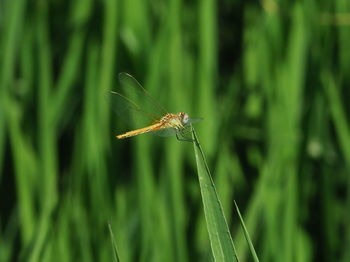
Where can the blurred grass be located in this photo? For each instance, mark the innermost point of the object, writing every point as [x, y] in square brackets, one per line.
[270, 80]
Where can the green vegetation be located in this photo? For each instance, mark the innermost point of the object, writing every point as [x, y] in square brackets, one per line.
[270, 79]
[219, 233]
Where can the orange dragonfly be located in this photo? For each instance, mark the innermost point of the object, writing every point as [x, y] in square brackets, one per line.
[134, 104]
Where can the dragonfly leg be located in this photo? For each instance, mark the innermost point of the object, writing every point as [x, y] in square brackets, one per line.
[182, 138]
[186, 131]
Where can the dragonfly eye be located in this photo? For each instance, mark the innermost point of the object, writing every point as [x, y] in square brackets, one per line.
[185, 118]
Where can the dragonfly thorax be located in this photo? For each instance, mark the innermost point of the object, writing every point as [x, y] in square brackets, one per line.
[177, 121]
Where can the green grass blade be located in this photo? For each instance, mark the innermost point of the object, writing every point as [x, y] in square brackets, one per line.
[220, 238]
[114, 244]
[246, 234]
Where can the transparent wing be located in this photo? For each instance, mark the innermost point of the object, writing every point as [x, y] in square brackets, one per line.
[132, 103]
[194, 120]
[165, 132]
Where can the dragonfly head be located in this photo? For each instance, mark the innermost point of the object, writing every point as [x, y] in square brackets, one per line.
[184, 118]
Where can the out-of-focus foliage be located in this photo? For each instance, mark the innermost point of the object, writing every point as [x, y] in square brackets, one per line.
[270, 79]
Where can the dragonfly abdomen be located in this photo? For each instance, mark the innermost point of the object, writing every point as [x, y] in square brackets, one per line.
[140, 131]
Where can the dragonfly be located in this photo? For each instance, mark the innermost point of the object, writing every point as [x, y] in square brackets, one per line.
[134, 104]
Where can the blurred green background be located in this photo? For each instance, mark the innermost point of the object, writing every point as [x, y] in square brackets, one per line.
[270, 79]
